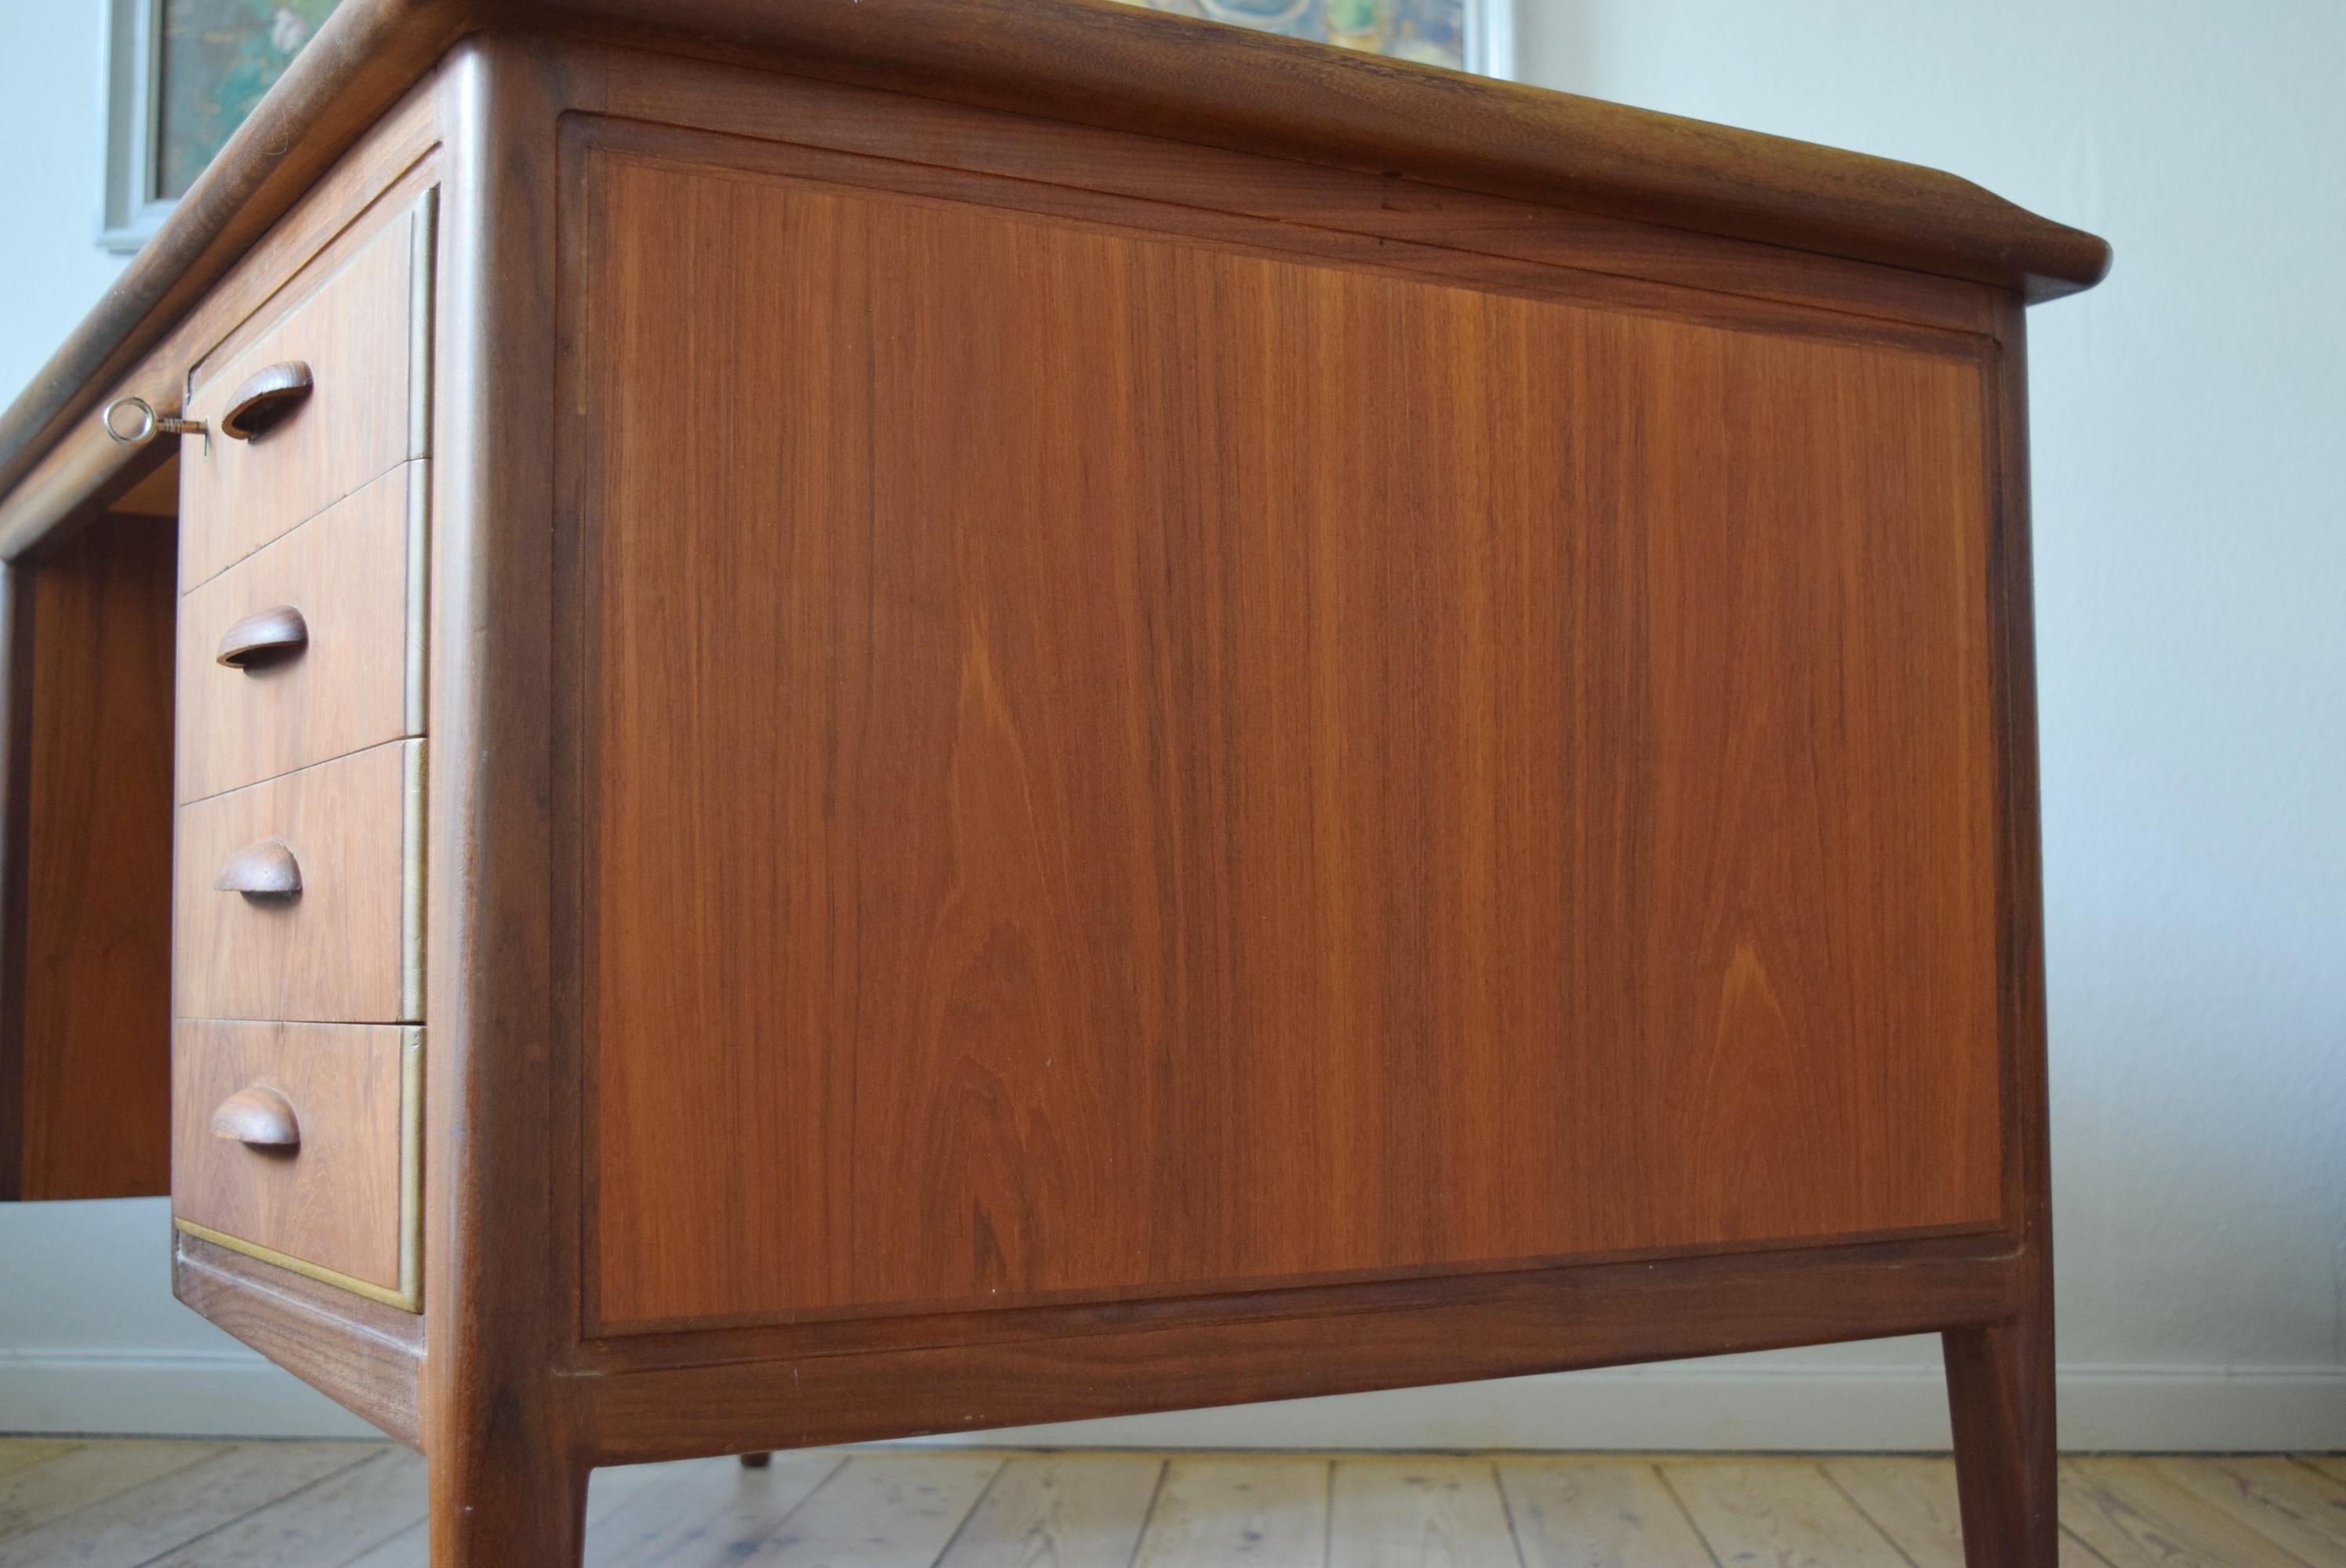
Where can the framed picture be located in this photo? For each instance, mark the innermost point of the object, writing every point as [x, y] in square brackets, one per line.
[1475, 36]
[181, 75]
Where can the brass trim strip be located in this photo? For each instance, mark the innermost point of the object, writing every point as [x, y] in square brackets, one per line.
[410, 885]
[406, 1302]
[423, 225]
[419, 552]
[411, 1169]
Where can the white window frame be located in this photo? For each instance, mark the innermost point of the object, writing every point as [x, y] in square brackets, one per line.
[1490, 38]
[129, 210]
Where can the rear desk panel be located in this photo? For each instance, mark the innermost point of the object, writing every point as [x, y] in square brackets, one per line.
[1115, 766]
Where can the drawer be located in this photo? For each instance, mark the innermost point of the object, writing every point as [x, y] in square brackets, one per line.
[346, 945]
[331, 617]
[296, 1142]
[360, 337]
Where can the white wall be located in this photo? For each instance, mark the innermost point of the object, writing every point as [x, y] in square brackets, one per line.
[50, 266]
[2191, 578]
[90, 1339]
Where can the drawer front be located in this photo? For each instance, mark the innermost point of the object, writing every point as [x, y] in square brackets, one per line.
[339, 1201]
[323, 629]
[362, 335]
[346, 947]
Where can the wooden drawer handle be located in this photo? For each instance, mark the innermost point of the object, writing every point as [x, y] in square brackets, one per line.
[264, 638]
[263, 870]
[260, 1117]
[267, 396]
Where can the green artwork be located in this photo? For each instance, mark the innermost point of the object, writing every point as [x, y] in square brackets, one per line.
[1432, 31]
[217, 57]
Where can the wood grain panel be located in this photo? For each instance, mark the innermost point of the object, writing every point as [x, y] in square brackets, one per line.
[350, 688]
[84, 1003]
[356, 328]
[337, 1201]
[341, 951]
[1198, 769]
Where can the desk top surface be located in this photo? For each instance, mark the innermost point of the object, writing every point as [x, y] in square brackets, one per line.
[1097, 63]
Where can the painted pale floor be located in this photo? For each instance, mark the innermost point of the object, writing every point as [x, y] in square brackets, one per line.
[101, 1503]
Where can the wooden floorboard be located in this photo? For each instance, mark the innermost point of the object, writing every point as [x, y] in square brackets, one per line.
[22, 1454]
[101, 1503]
[2135, 1516]
[1409, 1511]
[87, 1475]
[2299, 1508]
[1060, 1511]
[330, 1521]
[1238, 1511]
[1771, 1510]
[141, 1524]
[1913, 1501]
[1593, 1512]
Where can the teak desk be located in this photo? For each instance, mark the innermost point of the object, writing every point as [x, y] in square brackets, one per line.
[865, 719]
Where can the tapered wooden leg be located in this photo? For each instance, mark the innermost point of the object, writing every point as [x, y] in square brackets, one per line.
[2000, 1391]
[515, 1510]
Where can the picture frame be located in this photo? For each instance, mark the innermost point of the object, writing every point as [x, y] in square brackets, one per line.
[132, 204]
[1474, 36]
[179, 77]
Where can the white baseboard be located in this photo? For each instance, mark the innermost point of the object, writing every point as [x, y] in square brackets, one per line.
[227, 1393]
[1689, 1406]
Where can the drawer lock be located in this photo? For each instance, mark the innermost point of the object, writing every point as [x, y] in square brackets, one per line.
[133, 421]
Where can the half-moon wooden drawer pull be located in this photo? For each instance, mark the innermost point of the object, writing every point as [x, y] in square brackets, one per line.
[263, 870]
[267, 396]
[260, 1117]
[264, 638]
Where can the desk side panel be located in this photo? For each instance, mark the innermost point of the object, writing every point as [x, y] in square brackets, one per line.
[85, 997]
[1124, 766]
